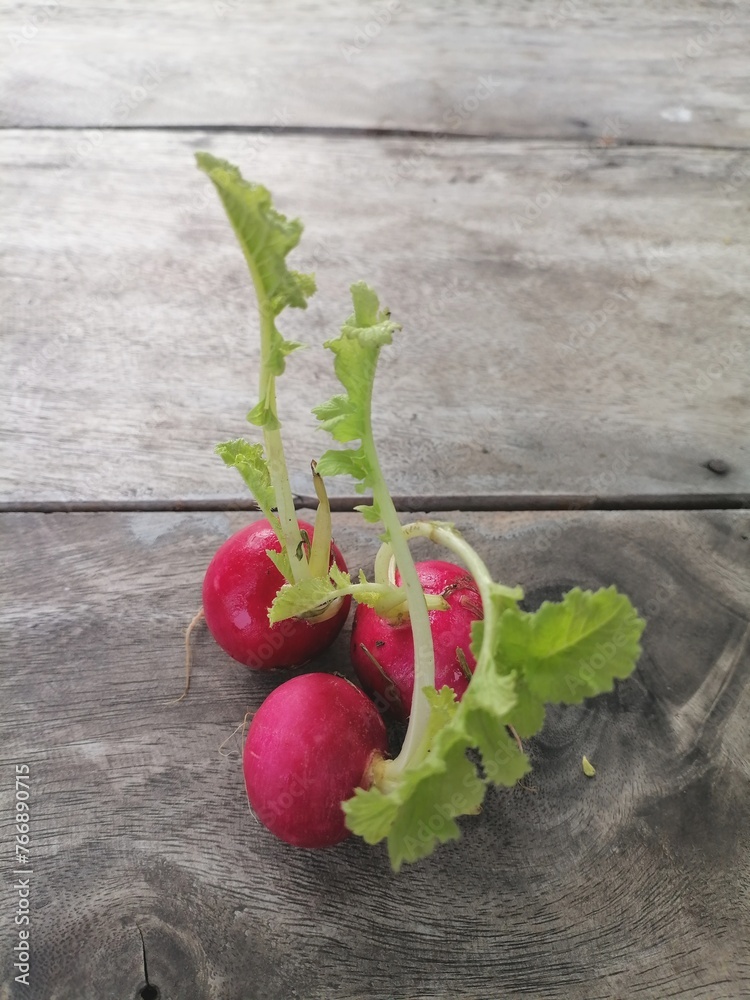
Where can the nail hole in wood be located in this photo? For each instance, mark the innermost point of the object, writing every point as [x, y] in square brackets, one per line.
[717, 465]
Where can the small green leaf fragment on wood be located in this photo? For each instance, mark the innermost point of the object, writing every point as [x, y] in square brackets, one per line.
[588, 768]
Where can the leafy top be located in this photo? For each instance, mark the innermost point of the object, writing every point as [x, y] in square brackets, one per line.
[265, 235]
[347, 416]
[564, 652]
[266, 238]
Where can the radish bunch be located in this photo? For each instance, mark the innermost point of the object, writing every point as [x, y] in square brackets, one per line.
[442, 645]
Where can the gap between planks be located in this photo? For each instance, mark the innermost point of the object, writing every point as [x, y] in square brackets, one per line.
[404, 504]
[354, 132]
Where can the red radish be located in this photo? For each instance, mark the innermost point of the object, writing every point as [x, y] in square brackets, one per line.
[238, 589]
[310, 744]
[383, 651]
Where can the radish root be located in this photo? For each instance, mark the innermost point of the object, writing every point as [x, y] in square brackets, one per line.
[197, 619]
[516, 737]
[238, 729]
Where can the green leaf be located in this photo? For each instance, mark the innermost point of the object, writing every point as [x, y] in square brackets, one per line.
[265, 235]
[502, 599]
[528, 715]
[339, 577]
[485, 711]
[337, 417]
[562, 652]
[250, 462]
[444, 784]
[281, 562]
[443, 707]
[369, 324]
[346, 416]
[349, 462]
[371, 813]
[295, 600]
[280, 349]
[574, 649]
[262, 415]
[266, 238]
[310, 597]
[420, 812]
[370, 512]
[366, 306]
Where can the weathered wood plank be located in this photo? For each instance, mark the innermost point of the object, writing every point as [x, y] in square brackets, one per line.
[575, 318]
[673, 72]
[633, 884]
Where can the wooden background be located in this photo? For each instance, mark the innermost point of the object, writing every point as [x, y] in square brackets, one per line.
[553, 199]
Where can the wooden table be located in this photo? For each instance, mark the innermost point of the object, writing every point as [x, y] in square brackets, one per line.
[553, 200]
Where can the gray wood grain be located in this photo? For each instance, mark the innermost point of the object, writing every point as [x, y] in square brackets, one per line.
[629, 885]
[575, 318]
[673, 72]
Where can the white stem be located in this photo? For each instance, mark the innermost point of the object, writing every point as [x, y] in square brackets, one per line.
[291, 538]
[446, 535]
[443, 533]
[424, 654]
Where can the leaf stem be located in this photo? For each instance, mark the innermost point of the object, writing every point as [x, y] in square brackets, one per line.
[393, 606]
[446, 535]
[291, 539]
[424, 654]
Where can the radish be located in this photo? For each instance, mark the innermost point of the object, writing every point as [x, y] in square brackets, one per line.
[313, 741]
[239, 587]
[382, 649]
[314, 761]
